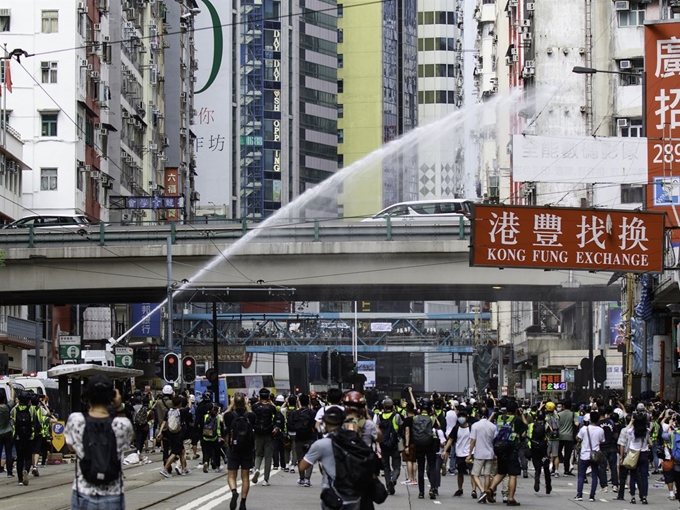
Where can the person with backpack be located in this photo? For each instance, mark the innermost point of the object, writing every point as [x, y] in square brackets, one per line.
[6, 435]
[161, 408]
[265, 423]
[347, 463]
[239, 425]
[141, 424]
[390, 424]
[302, 426]
[409, 453]
[511, 428]
[99, 438]
[424, 439]
[210, 435]
[172, 425]
[609, 450]
[291, 407]
[589, 437]
[25, 425]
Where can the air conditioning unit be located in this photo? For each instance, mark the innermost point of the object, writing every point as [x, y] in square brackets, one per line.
[94, 75]
[97, 126]
[526, 36]
[152, 22]
[107, 184]
[513, 51]
[515, 58]
[530, 63]
[83, 63]
[183, 96]
[625, 64]
[583, 109]
[622, 5]
[526, 22]
[153, 147]
[531, 6]
[621, 123]
[5, 12]
[87, 168]
[508, 61]
[104, 131]
[97, 27]
[89, 67]
[106, 38]
[142, 49]
[44, 65]
[182, 132]
[82, 7]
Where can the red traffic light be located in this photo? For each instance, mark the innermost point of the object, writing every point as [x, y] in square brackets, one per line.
[188, 362]
[171, 360]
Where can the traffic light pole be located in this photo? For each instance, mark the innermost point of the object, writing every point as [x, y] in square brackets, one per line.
[169, 290]
[215, 351]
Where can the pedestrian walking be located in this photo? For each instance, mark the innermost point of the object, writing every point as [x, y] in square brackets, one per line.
[239, 425]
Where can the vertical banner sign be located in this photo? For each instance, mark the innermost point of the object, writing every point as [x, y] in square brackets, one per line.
[151, 325]
[662, 70]
[172, 189]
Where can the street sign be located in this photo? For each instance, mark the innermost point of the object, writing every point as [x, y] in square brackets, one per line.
[552, 382]
[69, 347]
[124, 357]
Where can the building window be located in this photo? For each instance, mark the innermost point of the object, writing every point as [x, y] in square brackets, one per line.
[632, 193]
[341, 135]
[50, 22]
[340, 35]
[48, 179]
[341, 60]
[49, 124]
[4, 23]
[633, 17]
[630, 127]
[635, 67]
[341, 111]
[341, 86]
[49, 72]
[341, 9]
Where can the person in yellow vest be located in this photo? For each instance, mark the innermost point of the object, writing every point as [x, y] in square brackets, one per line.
[212, 424]
[390, 423]
[45, 421]
[24, 427]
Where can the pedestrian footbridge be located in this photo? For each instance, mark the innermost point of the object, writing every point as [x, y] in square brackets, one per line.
[303, 261]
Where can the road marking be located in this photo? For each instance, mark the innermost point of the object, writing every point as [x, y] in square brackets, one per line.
[603, 500]
[437, 502]
[203, 499]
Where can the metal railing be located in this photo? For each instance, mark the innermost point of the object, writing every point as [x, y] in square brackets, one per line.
[292, 231]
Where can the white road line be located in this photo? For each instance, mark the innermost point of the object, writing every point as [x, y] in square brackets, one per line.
[203, 499]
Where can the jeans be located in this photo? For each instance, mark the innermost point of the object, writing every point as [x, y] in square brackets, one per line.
[611, 460]
[264, 448]
[6, 442]
[566, 457]
[639, 476]
[391, 464]
[423, 457]
[583, 466]
[83, 502]
[278, 453]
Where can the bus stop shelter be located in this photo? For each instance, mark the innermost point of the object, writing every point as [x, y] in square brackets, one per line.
[71, 378]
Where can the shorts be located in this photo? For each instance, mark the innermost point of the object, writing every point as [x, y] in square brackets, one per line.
[670, 476]
[36, 445]
[409, 455]
[553, 448]
[242, 460]
[509, 465]
[482, 467]
[176, 443]
[461, 466]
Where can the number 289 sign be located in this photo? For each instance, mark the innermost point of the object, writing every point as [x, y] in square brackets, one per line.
[552, 382]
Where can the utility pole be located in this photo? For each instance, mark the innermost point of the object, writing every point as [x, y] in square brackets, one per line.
[630, 280]
[168, 258]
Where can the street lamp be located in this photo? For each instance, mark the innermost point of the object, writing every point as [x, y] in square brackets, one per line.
[630, 279]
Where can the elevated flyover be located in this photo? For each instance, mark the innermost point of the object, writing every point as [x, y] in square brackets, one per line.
[305, 261]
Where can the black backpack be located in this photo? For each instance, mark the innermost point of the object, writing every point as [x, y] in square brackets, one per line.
[390, 436]
[301, 423]
[241, 436]
[24, 421]
[354, 464]
[101, 463]
[264, 418]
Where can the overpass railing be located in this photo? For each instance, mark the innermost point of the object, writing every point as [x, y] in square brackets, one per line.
[315, 230]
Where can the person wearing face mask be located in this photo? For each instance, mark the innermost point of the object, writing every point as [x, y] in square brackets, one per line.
[482, 434]
[460, 436]
[567, 419]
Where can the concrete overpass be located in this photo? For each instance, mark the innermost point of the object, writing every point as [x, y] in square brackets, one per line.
[312, 261]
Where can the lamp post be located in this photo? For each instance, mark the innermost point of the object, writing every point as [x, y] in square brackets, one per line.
[630, 278]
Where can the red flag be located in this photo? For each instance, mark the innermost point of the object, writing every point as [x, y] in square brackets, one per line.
[8, 76]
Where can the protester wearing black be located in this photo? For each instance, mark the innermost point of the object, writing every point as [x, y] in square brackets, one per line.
[303, 424]
[25, 429]
[239, 424]
[426, 451]
[265, 423]
[538, 444]
[6, 436]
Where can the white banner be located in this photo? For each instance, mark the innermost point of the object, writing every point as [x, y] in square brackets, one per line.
[367, 368]
[382, 327]
[579, 159]
[614, 377]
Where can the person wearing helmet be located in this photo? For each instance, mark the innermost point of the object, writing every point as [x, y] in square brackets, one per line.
[357, 418]
[389, 423]
[161, 408]
[423, 436]
[552, 425]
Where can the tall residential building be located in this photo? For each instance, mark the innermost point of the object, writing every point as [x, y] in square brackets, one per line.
[377, 99]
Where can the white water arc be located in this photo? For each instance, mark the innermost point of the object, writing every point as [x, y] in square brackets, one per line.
[419, 139]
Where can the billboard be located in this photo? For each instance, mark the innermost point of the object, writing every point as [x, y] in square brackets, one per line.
[151, 325]
[552, 382]
[662, 112]
[617, 327]
[567, 238]
[579, 160]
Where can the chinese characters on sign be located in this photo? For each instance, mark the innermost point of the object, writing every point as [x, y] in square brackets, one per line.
[547, 238]
[614, 379]
[662, 68]
[150, 325]
[172, 188]
[552, 382]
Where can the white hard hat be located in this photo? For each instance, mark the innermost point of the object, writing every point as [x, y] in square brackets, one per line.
[472, 401]
[455, 402]
[167, 390]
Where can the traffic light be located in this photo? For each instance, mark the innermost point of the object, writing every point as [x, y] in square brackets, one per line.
[158, 366]
[171, 367]
[188, 369]
[347, 367]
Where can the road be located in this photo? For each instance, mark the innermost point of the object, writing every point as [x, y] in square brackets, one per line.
[146, 489]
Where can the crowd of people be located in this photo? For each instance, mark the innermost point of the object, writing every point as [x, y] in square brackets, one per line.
[361, 449]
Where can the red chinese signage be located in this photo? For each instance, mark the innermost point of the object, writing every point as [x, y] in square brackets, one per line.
[172, 189]
[565, 238]
[552, 382]
[662, 115]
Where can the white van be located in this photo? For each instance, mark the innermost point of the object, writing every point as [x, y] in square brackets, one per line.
[426, 210]
[4, 387]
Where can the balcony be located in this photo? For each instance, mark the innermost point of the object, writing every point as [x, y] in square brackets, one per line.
[17, 332]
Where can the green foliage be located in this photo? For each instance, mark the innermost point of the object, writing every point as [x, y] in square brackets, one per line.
[3, 254]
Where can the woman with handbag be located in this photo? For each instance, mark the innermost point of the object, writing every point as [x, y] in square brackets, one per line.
[639, 431]
[589, 437]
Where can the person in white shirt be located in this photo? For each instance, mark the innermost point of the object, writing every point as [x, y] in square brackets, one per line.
[451, 420]
[590, 436]
[460, 437]
[482, 434]
[638, 430]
